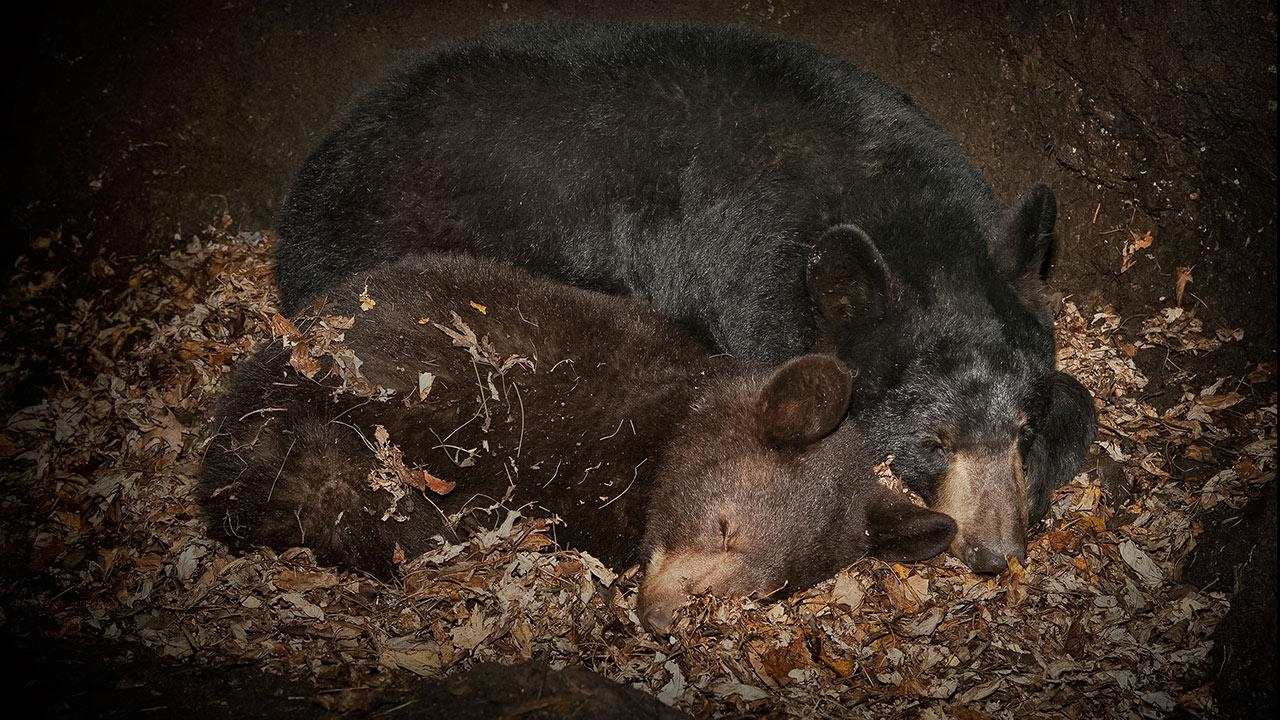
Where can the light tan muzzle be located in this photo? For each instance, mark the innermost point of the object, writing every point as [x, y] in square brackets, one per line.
[671, 578]
[985, 492]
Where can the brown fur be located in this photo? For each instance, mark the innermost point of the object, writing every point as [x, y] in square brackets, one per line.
[751, 491]
[583, 425]
[754, 501]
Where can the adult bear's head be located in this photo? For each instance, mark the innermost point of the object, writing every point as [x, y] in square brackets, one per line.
[956, 373]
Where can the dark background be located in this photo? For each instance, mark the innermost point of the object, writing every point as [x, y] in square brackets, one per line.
[132, 125]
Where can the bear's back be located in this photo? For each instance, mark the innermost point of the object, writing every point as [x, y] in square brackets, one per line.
[478, 373]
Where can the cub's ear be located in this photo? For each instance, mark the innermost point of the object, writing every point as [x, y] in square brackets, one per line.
[1020, 248]
[849, 282]
[1060, 442]
[900, 531]
[804, 400]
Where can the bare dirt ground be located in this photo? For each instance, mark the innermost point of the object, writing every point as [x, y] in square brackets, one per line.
[133, 128]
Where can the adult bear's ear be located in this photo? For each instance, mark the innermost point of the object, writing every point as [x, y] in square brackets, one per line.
[1060, 442]
[1019, 249]
[849, 282]
[804, 400]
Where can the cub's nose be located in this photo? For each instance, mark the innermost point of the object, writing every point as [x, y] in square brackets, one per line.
[992, 560]
[658, 618]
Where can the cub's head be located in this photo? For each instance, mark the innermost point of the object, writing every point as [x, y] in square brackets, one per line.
[764, 491]
[957, 377]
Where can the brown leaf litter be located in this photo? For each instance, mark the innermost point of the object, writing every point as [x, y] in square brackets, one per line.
[101, 470]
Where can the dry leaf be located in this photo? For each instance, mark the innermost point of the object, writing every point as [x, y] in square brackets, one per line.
[1183, 280]
[1135, 558]
[923, 625]
[675, 687]
[748, 693]
[847, 591]
[425, 381]
[300, 581]
[1062, 633]
[1136, 242]
[305, 606]
[420, 658]
[467, 637]
[437, 485]
[284, 327]
[1263, 373]
[300, 359]
[338, 322]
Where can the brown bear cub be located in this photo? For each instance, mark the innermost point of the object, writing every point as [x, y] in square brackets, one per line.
[436, 370]
[763, 490]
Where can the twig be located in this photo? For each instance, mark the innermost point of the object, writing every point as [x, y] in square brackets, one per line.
[522, 317]
[457, 453]
[281, 470]
[444, 519]
[554, 474]
[588, 471]
[455, 430]
[353, 407]
[520, 441]
[635, 472]
[397, 708]
[261, 410]
[483, 401]
[616, 430]
[359, 434]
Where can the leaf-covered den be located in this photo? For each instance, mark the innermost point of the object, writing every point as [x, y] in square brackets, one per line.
[100, 470]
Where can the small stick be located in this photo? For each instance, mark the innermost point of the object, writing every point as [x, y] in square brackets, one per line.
[281, 470]
[554, 474]
[617, 429]
[520, 441]
[483, 401]
[635, 472]
[261, 410]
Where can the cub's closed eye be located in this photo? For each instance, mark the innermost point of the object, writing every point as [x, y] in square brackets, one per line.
[727, 533]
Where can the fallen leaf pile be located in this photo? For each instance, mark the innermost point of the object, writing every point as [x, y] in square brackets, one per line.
[105, 540]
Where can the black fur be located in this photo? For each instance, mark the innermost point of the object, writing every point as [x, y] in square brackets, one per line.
[1057, 448]
[774, 199]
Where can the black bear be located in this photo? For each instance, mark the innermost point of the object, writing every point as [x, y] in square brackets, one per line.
[775, 200]
[527, 392]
